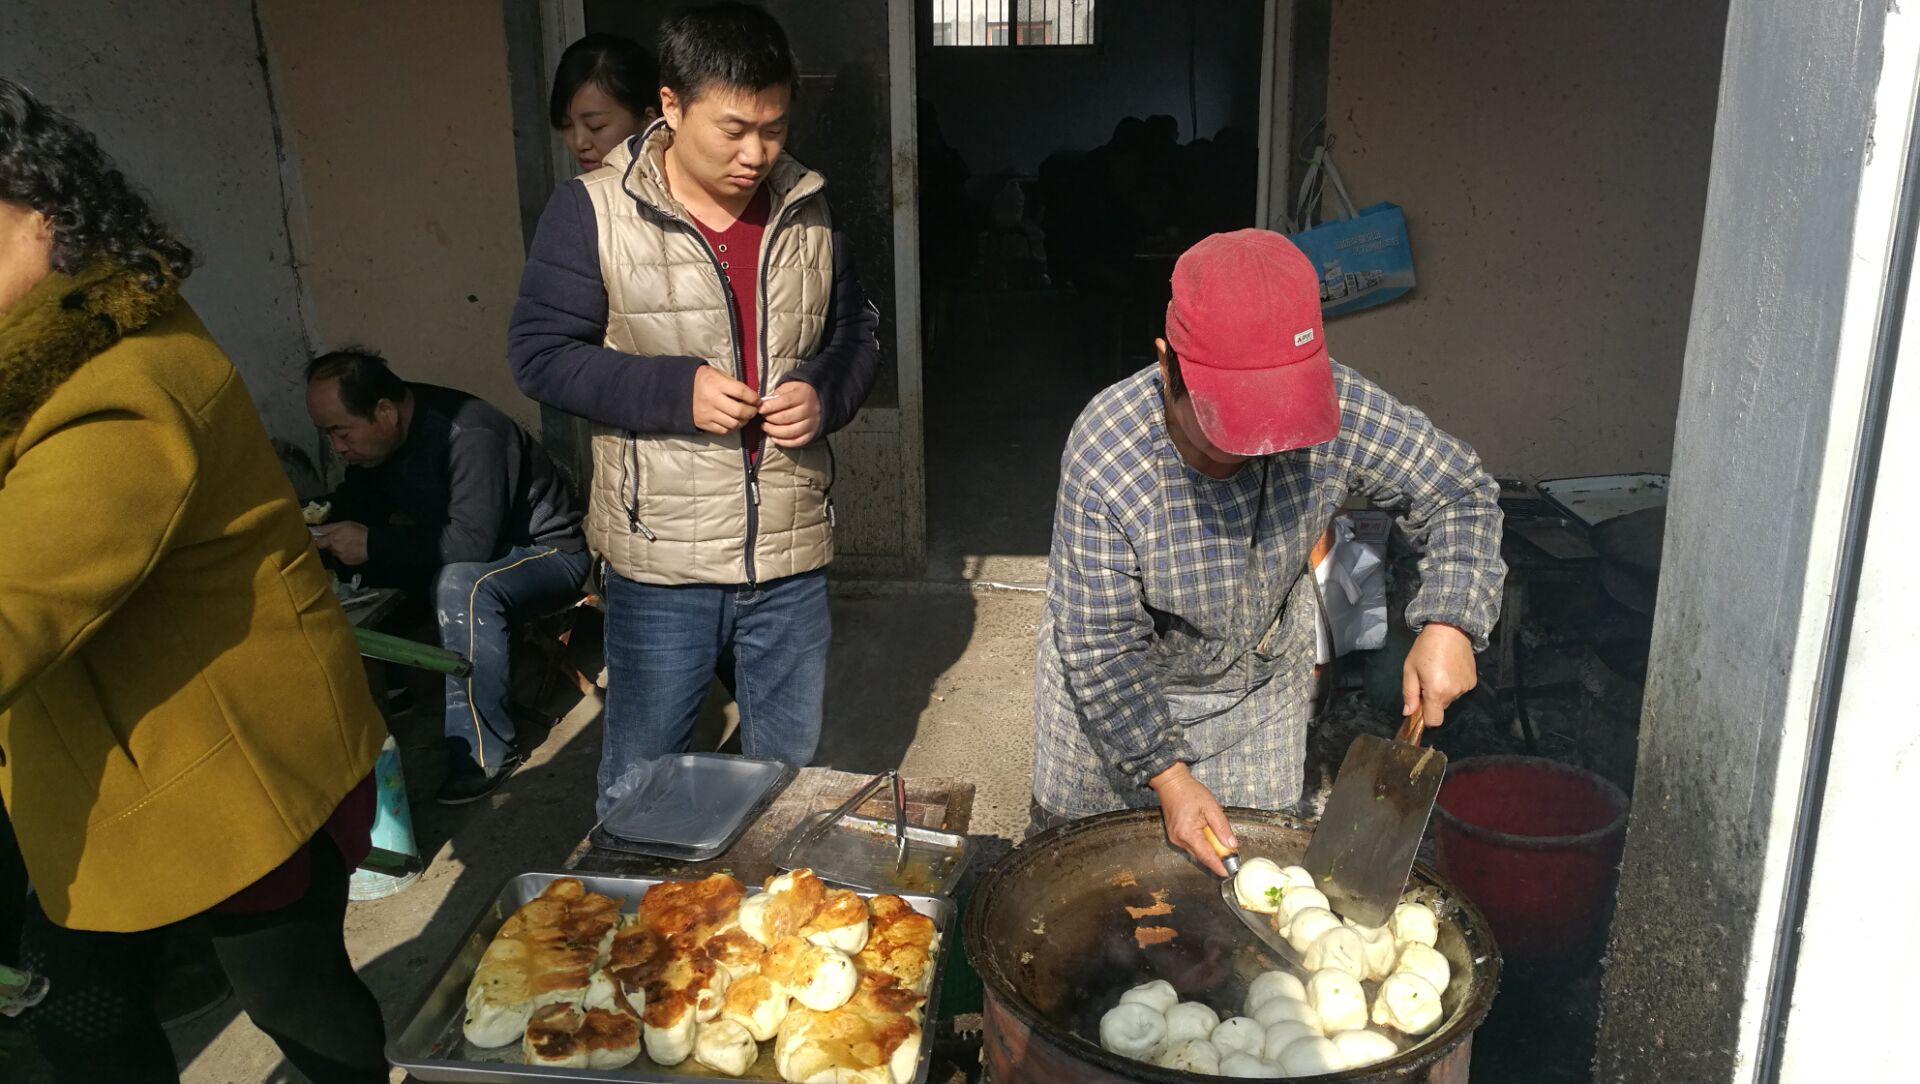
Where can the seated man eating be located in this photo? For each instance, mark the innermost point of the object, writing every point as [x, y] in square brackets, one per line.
[447, 498]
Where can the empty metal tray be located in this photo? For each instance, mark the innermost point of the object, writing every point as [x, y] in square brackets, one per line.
[693, 806]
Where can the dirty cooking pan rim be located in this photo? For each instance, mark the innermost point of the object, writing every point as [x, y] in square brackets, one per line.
[1432, 1048]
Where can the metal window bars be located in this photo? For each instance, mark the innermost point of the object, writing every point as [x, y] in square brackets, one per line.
[1013, 23]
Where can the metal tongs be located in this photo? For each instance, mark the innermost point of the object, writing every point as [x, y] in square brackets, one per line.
[820, 827]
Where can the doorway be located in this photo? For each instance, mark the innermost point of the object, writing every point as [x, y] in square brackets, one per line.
[1070, 150]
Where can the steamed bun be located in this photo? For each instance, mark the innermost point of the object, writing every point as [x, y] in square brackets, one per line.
[1382, 952]
[669, 1043]
[1407, 1002]
[1361, 1048]
[1308, 925]
[1286, 1008]
[725, 1047]
[1158, 995]
[1259, 884]
[1296, 899]
[1414, 922]
[1272, 984]
[1193, 1055]
[1339, 1000]
[1247, 1067]
[1190, 1020]
[1427, 963]
[1339, 949]
[1285, 1034]
[1132, 1030]
[1311, 1057]
[1239, 1035]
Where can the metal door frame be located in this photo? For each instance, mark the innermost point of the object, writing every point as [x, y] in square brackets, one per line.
[1275, 135]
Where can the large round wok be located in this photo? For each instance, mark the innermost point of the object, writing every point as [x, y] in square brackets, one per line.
[1064, 924]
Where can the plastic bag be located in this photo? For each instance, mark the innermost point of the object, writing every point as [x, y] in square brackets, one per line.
[1353, 593]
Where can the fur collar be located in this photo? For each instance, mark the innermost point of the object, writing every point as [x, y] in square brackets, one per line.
[63, 323]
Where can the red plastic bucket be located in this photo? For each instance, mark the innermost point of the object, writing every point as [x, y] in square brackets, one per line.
[1536, 844]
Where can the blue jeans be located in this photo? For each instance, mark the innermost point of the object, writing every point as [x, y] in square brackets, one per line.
[662, 644]
[477, 604]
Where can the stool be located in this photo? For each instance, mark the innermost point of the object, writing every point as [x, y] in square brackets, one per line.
[549, 637]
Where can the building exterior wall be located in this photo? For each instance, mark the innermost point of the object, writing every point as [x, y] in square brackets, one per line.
[345, 172]
[175, 91]
[1770, 570]
[407, 224]
[1552, 161]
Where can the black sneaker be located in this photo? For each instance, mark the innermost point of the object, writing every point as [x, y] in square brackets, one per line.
[468, 782]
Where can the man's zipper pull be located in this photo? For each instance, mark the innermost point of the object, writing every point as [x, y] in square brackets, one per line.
[634, 526]
[831, 521]
[753, 490]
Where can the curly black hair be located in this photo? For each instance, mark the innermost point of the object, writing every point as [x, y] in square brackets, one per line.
[51, 164]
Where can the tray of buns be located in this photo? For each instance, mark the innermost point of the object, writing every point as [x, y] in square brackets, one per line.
[594, 977]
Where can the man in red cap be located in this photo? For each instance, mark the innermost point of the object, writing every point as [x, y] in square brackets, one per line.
[1176, 653]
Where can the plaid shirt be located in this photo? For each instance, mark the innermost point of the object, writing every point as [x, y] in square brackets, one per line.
[1168, 592]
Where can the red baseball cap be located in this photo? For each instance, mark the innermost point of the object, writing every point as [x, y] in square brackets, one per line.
[1244, 324]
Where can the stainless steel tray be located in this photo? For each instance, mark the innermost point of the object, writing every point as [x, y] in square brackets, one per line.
[860, 852]
[430, 1046]
[1593, 500]
[694, 806]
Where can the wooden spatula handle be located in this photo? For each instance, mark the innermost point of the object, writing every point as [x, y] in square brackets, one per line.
[1411, 728]
[1227, 858]
[1219, 849]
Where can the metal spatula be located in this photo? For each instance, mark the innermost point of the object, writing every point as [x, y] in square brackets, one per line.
[1260, 924]
[1363, 850]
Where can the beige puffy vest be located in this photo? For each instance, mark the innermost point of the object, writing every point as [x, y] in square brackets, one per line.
[672, 509]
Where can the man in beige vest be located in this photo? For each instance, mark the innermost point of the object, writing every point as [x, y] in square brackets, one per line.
[692, 299]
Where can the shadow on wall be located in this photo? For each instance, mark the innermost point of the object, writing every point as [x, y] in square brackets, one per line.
[302, 469]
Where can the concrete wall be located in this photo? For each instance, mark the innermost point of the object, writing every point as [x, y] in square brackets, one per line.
[368, 195]
[1803, 200]
[396, 119]
[1552, 160]
[1008, 111]
[175, 91]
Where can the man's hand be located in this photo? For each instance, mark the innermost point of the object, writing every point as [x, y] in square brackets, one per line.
[1439, 670]
[346, 541]
[792, 414]
[1187, 806]
[721, 404]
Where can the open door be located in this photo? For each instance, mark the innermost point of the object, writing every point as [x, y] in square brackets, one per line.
[854, 122]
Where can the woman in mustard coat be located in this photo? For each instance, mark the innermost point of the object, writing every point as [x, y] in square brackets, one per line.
[186, 734]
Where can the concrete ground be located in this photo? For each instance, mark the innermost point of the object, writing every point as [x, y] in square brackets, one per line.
[936, 683]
